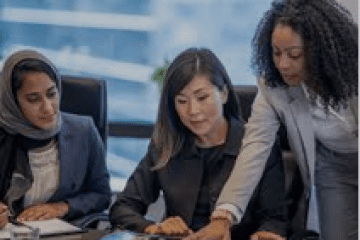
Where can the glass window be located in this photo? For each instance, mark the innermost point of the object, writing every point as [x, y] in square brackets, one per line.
[124, 42]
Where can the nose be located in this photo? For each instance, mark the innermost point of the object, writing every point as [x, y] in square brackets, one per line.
[194, 107]
[283, 62]
[47, 106]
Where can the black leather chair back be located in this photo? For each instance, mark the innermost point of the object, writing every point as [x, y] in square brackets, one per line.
[246, 95]
[86, 96]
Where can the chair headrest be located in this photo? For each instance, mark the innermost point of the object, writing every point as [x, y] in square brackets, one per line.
[86, 96]
[246, 95]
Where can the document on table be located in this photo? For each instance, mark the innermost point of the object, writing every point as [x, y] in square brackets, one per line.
[47, 227]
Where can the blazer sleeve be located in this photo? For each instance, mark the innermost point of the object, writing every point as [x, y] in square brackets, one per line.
[260, 134]
[271, 206]
[142, 189]
[95, 193]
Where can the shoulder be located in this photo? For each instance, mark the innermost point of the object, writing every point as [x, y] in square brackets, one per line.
[152, 154]
[276, 96]
[75, 118]
[279, 91]
[74, 122]
[354, 101]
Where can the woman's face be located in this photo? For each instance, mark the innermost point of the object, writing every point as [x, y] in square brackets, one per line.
[200, 108]
[38, 99]
[288, 54]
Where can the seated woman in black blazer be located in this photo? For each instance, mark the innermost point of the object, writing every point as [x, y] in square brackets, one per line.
[192, 151]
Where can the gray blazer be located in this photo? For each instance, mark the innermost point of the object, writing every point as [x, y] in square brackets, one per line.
[84, 179]
[272, 107]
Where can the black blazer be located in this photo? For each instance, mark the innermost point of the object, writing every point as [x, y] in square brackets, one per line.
[180, 180]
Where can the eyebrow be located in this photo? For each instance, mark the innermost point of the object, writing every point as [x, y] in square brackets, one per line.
[52, 88]
[196, 91]
[289, 48]
[36, 93]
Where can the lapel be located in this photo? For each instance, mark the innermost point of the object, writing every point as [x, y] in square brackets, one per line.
[355, 111]
[66, 157]
[184, 180]
[301, 115]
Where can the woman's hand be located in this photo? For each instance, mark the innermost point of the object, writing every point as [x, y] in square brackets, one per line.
[4, 214]
[217, 229]
[44, 211]
[265, 235]
[172, 226]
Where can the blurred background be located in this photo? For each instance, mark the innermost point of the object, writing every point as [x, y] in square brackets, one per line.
[126, 42]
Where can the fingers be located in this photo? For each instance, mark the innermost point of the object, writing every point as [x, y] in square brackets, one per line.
[4, 214]
[31, 214]
[191, 237]
[47, 216]
[227, 236]
[153, 229]
[198, 235]
[254, 237]
[4, 219]
[2, 205]
[3, 208]
[174, 226]
[265, 235]
[216, 230]
[41, 212]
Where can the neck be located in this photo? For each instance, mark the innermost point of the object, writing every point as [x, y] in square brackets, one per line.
[46, 147]
[217, 136]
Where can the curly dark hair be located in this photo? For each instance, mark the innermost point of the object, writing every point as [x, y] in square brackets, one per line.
[330, 38]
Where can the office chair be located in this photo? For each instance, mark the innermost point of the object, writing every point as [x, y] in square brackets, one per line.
[86, 96]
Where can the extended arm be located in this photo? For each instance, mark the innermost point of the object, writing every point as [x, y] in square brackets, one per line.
[260, 134]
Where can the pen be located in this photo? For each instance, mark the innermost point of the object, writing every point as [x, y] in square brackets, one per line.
[13, 220]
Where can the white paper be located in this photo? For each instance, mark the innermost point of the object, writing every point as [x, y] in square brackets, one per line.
[47, 227]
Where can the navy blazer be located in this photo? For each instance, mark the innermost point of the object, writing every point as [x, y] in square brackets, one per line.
[84, 179]
[181, 179]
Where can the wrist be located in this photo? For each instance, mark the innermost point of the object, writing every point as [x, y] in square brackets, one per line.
[151, 229]
[223, 216]
[65, 208]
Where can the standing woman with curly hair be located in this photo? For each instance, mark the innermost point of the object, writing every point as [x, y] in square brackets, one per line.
[305, 55]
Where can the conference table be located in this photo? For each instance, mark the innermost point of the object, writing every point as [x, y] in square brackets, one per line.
[107, 235]
[88, 235]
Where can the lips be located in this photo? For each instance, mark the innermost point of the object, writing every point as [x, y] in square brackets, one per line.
[197, 122]
[47, 118]
[288, 76]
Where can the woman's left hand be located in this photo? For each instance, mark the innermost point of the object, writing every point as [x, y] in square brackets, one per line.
[4, 213]
[217, 229]
[44, 211]
[172, 226]
[265, 235]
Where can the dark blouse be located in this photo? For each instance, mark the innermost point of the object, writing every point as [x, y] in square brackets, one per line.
[202, 210]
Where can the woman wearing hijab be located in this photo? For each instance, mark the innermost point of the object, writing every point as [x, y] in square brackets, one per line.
[52, 163]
